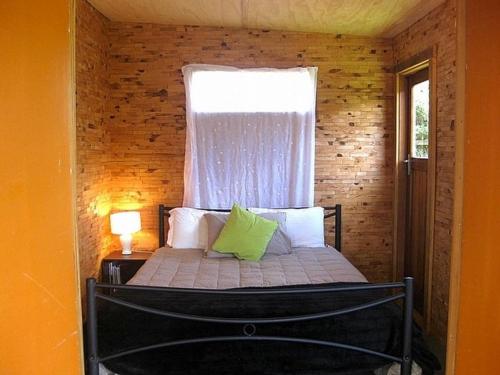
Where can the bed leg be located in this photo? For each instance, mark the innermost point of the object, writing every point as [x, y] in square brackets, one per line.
[92, 358]
[406, 364]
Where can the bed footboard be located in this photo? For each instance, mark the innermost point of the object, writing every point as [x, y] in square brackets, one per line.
[249, 325]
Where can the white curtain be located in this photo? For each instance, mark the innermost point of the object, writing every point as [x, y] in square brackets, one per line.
[250, 137]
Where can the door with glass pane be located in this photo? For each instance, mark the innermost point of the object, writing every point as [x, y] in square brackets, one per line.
[417, 147]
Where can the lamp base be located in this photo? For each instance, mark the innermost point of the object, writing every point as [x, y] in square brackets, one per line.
[126, 241]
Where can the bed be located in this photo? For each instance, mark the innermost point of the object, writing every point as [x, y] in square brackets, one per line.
[189, 268]
[308, 312]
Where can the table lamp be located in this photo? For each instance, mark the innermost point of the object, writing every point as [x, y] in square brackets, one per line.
[124, 224]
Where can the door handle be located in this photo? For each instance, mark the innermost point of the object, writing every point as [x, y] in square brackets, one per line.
[408, 165]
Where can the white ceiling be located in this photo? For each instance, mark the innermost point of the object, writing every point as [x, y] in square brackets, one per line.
[376, 18]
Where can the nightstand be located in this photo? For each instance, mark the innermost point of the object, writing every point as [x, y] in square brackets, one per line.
[117, 268]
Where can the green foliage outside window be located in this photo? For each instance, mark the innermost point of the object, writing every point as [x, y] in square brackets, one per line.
[420, 131]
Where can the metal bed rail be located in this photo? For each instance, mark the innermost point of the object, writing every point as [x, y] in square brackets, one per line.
[249, 325]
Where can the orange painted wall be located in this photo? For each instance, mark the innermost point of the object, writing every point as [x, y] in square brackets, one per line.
[478, 339]
[39, 304]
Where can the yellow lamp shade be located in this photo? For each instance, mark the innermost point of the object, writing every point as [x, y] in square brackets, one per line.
[125, 222]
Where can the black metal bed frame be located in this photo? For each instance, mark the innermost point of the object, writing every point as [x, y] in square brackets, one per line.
[164, 211]
[249, 325]
[98, 291]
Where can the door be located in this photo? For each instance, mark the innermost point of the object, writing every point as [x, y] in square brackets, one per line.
[417, 149]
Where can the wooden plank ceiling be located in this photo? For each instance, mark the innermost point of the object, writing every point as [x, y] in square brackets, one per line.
[375, 18]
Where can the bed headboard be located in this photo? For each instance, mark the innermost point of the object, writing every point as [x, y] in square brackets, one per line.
[336, 211]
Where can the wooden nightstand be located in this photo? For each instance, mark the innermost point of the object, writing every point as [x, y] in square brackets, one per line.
[117, 268]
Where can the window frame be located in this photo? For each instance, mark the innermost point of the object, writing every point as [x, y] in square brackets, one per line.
[413, 80]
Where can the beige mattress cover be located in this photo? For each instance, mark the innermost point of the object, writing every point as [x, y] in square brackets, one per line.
[188, 268]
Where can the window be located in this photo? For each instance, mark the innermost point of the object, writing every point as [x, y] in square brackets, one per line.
[273, 90]
[250, 137]
[420, 120]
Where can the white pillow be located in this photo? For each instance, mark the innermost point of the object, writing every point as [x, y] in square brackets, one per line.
[304, 226]
[187, 228]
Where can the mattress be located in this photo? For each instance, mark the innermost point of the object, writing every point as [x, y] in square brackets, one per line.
[188, 268]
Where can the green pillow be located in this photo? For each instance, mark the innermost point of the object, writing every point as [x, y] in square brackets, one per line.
[245, 234]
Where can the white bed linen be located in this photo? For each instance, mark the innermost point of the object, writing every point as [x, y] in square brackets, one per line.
[304, 226]
[188, 268]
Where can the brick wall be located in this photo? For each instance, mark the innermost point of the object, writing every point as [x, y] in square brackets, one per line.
[438, 29]
[354, 138]
[92, 176]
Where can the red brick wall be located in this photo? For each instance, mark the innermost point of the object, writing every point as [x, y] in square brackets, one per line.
[438, 29]
[92, 176]
[355, 128]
